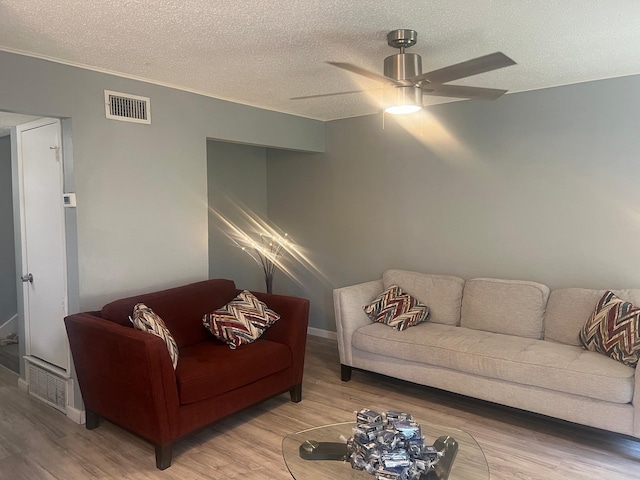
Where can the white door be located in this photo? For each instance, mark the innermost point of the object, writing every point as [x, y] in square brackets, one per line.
[43, 273]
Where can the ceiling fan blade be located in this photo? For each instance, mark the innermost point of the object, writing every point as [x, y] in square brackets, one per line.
[333, 94]
[460, 91]
[364, 72]
[486, 63]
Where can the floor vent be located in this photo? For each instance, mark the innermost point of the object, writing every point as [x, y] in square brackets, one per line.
[127, 108]
[48, 387]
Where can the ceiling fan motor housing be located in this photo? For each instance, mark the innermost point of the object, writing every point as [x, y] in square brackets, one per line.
[402, 66]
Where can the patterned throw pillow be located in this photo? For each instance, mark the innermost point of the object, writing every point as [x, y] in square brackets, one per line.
[243, 320]
[612, 329]
[146, 320]
[397, 309]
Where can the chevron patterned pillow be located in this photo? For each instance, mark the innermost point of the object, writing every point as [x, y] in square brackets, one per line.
[146, 320]
[397, 309]
[612, 329]
[243, 320]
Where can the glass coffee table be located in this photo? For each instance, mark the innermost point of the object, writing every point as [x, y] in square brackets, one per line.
[469, 463]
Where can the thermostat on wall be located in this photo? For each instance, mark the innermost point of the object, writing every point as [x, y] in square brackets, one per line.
[69, 199]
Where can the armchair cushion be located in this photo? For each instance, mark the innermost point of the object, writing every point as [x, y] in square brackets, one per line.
[241, 321]
[208, 369]
[181, 308]
[145, 320]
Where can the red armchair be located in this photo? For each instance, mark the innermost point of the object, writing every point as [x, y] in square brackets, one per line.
[126, 375]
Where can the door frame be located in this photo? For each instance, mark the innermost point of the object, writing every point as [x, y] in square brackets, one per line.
[22, 270]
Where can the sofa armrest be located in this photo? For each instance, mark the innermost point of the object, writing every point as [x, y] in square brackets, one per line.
[636, 404]
[291, 329]
[348, 303]
[125, 376]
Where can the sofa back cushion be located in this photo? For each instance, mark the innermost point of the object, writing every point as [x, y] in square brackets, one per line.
[180, 308]
[512, 307]
[570, 308]
[441, 293]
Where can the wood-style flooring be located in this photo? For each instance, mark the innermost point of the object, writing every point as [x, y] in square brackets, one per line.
[38, 442]
[9, 356]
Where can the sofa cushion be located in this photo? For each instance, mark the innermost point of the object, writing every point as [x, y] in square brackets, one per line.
[569, 308]
[180, 308]
[243, 320]
[396, 308]
[145, 320]
[567, 311]
[550, 365]
[612, 330]
[442, 293]
[210, 368]
[512, 307]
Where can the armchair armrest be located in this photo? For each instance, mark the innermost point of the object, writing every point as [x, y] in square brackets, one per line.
[291, 329]
[125, 375]
[348, 303]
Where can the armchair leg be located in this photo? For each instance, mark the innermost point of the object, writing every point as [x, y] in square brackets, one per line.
[163, 455]
[296, 393]
[92, 419]
[345, 372]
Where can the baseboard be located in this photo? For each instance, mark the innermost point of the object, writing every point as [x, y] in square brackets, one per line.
[76, 415]
[6, 328]
[322, 333]
[23, 386]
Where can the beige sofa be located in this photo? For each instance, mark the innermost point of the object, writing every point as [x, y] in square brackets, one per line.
[510, 342]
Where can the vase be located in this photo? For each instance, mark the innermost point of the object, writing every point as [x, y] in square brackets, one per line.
[268, 280]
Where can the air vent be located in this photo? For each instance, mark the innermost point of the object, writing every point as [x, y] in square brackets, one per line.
[127, 108]
[48, 387]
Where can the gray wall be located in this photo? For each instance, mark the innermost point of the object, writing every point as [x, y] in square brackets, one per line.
[8, 295]
[539, 185]
[237, 190]
[142, 219]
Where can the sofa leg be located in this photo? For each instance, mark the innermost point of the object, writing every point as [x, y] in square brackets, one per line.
[296, 393]
[163, 455]
[92, 419]
[345, 372]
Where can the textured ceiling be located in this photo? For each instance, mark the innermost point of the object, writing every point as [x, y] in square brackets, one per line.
[263, 53]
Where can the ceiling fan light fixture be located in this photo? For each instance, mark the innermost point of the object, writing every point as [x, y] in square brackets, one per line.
[403, 100]
[403, 109]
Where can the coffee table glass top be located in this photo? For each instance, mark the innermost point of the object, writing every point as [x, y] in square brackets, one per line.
[469, 464]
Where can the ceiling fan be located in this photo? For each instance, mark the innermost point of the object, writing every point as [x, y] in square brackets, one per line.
[404, 83]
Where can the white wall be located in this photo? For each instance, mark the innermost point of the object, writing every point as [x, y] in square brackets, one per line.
[539, 185]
